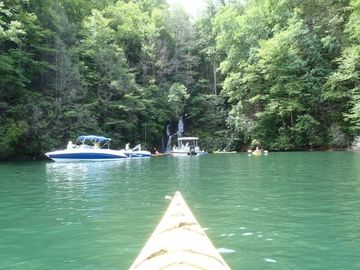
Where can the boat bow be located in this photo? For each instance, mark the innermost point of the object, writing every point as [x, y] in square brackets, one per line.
[179, 242]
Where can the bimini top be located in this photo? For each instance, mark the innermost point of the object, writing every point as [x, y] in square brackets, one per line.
[94, 138]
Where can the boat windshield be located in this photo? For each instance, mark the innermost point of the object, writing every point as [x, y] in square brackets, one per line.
[93, 141]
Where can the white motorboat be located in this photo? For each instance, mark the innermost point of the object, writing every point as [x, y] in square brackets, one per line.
[135, 152]
[187, 146]
[87, 148]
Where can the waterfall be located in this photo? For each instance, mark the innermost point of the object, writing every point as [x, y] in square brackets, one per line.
[180, 131]
[168, 145]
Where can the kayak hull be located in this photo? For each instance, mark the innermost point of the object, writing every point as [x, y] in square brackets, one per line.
[179, 242]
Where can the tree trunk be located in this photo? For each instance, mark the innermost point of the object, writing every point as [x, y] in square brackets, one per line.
[214, 70]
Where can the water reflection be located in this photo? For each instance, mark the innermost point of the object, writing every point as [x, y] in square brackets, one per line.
[91, 171]
[70, 171]
[186, 167]
[77, 191]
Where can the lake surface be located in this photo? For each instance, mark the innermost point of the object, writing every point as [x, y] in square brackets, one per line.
[296, 210]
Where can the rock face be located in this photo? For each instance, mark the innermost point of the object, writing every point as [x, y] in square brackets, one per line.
[356, 144]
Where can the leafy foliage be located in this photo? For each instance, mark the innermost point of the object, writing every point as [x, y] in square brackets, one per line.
[276, 76]
[282, 74]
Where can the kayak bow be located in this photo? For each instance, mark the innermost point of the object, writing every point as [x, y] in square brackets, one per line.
[179, 242]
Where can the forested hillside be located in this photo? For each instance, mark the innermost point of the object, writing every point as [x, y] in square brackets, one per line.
[283, 74]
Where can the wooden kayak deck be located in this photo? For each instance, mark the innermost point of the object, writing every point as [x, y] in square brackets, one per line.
[179, 243]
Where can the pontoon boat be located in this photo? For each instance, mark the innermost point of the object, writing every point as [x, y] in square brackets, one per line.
[187, 146]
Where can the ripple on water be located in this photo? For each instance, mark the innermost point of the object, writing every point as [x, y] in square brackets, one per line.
[226, 250]
[270, 260]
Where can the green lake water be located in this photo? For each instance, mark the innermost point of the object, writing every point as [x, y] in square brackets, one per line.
[296, 210]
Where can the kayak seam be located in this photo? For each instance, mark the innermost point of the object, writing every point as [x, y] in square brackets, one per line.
[165, 251]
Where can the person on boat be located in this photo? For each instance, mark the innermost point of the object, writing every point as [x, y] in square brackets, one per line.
[96, 145]
[69, 145]
[257, 150]
[127, 146]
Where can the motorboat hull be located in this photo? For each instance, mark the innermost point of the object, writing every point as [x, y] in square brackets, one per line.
[86, 155]
[137, 154]
[224, 152]
[188, 153]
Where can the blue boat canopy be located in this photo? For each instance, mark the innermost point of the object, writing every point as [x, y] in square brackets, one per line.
[94, 138]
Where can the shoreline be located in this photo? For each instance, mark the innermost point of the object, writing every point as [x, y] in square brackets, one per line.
[330, 149]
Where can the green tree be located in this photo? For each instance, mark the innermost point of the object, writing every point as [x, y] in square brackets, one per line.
[178, 96]
[278, 55]
[343, 91]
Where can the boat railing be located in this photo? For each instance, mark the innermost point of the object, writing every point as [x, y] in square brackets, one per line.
[137, 148]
